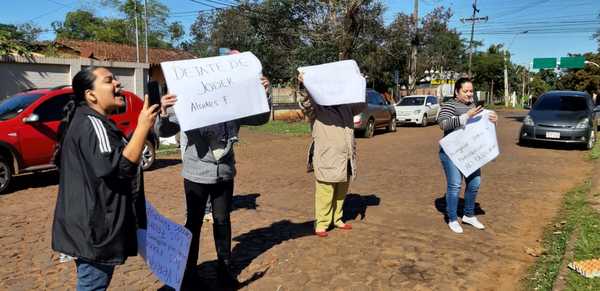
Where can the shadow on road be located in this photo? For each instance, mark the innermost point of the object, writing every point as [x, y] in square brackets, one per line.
[552, 145]
[440, 205]
[250, 246]
[245, 201]
[518, 118]
[33, 180]
[164, 163]
[356, 205]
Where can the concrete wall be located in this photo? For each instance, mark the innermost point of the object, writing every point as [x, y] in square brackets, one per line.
[20, 73]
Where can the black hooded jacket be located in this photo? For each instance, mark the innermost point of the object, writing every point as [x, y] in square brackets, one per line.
[100, 201]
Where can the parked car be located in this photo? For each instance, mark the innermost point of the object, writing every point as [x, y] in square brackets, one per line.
[378, 114]
[29, 123]
[418, 109]
[561, 116]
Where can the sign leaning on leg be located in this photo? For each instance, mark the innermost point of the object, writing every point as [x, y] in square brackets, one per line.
[164, 245]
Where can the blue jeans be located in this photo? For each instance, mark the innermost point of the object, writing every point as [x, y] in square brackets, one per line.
[93, 276]
[454, 180]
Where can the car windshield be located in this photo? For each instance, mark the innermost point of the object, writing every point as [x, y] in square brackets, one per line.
[12, 106]
[561, 103]
[411, 101]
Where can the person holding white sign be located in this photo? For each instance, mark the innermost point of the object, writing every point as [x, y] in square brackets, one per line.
[332, 157]
[454, 114]
[208, 172]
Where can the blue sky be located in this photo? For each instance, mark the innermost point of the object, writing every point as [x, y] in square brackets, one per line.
[556, 27]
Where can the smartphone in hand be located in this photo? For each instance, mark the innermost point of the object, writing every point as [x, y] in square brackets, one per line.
[480, 103]
[153, 93]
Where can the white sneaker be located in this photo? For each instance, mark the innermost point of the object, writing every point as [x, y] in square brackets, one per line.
[473, 221]
[455, 226]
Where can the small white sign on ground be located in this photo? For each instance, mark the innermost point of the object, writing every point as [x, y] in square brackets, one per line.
[164, 245]
[335, 83]
[217, 89]
[472, 146]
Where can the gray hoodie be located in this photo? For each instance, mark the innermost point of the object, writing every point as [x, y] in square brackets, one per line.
[199, 163]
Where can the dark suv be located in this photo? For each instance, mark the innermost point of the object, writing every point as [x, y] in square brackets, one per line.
[29, 122]
[378, 114]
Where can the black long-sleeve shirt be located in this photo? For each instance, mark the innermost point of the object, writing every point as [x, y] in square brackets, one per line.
[100, 201]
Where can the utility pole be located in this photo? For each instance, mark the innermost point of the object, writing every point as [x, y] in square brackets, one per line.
[492, 92]
[473, 19]
[506, 93]
[505, 80]
[412, 77]
[137, 36]
[146, 27]
[524, 80]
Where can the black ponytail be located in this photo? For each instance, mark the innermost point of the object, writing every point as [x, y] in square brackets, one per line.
[83, 80]
[459, 83]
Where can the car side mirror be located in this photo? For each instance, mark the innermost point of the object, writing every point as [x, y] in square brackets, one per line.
[31, 118]
[597, 108]
[428, 104]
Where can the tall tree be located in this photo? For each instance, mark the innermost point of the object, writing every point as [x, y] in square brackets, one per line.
[83, 24]
[441, 47]
[585, 79]
[18, 39]
[488, 68]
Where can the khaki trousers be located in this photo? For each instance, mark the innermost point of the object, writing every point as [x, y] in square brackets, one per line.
[329, 200]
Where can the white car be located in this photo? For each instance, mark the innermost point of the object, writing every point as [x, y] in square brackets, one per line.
[418, 109]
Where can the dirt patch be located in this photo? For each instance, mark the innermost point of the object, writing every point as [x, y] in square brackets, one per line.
[399, 240]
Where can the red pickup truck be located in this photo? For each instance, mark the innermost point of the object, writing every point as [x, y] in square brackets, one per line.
[29, 122]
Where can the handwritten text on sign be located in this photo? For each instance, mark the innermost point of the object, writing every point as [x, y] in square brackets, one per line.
[335, 83]
[164, 245]
[473, 146]
[217, 89]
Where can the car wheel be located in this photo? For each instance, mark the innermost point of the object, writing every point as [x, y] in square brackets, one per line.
[148, 155]
[424, 120]
[370, 129]
[392, 125]
[523, 142]
[591, 140]
[5, 175]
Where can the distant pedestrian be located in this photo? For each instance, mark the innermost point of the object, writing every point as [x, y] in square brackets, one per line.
[100, 201]
[453, 115]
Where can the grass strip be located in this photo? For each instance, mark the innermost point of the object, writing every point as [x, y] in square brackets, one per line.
[279, 127]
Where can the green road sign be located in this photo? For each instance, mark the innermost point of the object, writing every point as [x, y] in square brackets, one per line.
[544, 63]
[572, 62]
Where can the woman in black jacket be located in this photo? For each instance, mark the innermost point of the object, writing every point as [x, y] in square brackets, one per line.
[100, 201]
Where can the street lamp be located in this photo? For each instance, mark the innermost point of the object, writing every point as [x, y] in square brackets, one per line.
[506, 66]
[592, 63]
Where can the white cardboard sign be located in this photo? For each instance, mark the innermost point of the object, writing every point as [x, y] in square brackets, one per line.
[216, 89]
[335, 83]
[472, 146]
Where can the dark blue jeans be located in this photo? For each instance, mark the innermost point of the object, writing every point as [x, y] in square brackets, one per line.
[454, 180]
[93, 276]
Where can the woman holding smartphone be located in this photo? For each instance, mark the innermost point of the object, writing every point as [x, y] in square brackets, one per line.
[454, 114]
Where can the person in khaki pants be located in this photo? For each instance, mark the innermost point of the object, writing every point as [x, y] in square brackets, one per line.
[332, 157]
